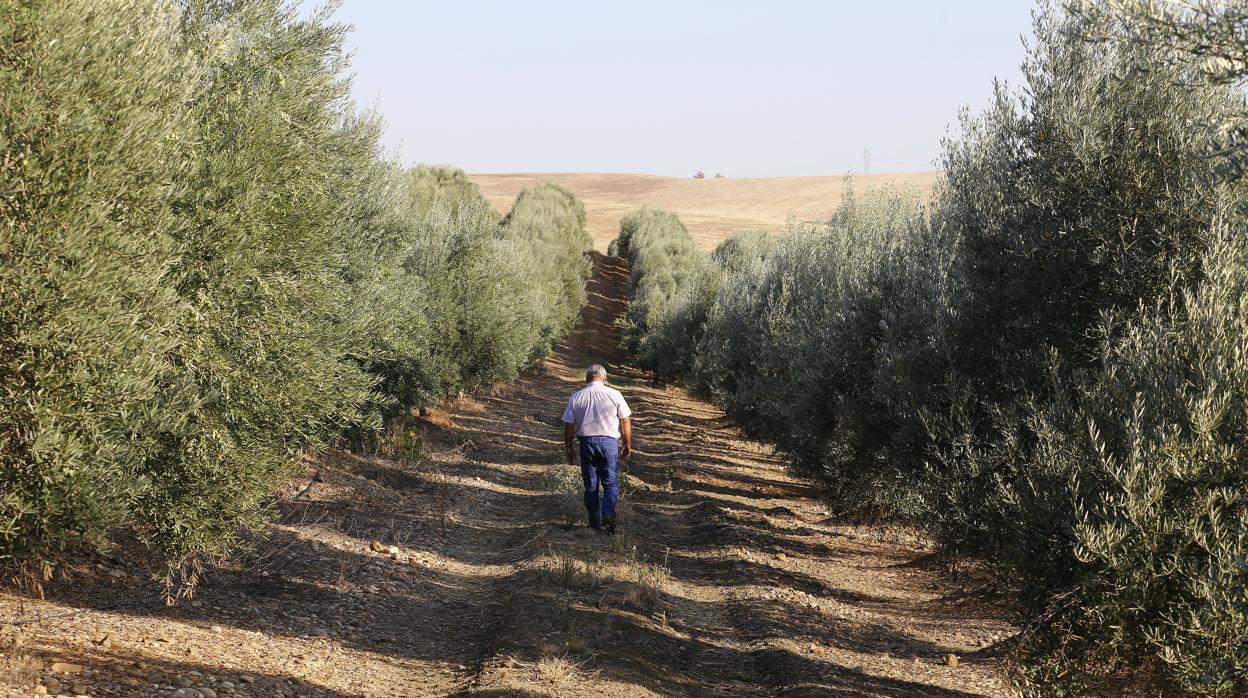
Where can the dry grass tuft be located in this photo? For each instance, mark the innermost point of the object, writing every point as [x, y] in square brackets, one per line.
[572, 573]
[644, 583]
[559, 672]
[19, 670]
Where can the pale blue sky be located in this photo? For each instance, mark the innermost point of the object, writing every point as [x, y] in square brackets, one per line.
[748, 88]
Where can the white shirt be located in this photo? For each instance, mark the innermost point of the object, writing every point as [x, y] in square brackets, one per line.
[596, 410]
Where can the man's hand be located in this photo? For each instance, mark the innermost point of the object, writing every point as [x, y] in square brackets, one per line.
[626, 437]
[571, 455]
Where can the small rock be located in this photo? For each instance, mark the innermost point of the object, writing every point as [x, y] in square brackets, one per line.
[392, 549]
[79, 689]
[65, 668]
[780, 557]
[377, 546]
[247, 678]
[215, 628]
[41, 690]
[52, 685]
[207, 692]
[951, 660]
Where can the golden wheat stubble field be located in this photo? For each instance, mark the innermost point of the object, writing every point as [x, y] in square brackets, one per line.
[712, 209]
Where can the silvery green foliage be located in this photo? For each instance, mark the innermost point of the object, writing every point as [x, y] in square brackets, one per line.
[472, 326]
[1047, 371]
[275, 212]
[1204, 38]
[673, 341]
[1124, 512]
[1090, 193]
[211, 264]
[665, 268]
[1089, 197]
[92, 138]
[827, 345]
[547, 222]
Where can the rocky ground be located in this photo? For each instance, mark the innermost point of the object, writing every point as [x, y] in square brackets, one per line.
[455, 563]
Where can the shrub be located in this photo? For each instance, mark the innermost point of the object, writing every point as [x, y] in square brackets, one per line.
[819, 346]
[274, 214]
[673, 341]
[1046, 370]
[211, 264]
[92, 134]
[487, 299]
[547, 226]
[1125, 512]
[1055, 458]
[430, 185]
[664, 265]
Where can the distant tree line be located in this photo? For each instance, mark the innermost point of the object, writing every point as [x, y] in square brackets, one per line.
[208, 264]
[1045, 365]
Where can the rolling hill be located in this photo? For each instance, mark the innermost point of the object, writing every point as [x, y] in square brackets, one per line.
[711, 209]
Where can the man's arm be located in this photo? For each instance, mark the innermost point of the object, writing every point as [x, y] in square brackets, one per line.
[569, 433]
[626, 435]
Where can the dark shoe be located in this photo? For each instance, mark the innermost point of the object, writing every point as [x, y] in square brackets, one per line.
[608, 525]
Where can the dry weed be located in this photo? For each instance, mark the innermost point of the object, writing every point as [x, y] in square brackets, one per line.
[559, 672]
[644, 582]
[572, 573]
[18, 670]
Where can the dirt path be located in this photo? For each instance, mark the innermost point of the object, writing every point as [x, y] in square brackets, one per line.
[465, 570]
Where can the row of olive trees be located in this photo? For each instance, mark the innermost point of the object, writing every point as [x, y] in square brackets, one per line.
[1047, 366]
[208, 263]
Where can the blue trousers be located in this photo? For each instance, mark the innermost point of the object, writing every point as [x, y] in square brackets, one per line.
[600, 466]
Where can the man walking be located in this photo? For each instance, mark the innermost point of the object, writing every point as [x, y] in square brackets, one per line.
[598, 416]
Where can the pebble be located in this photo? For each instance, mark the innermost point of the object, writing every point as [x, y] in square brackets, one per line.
[79, 689]
[207, 692]
[780, 557]
[65, 668]
[951, 660]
